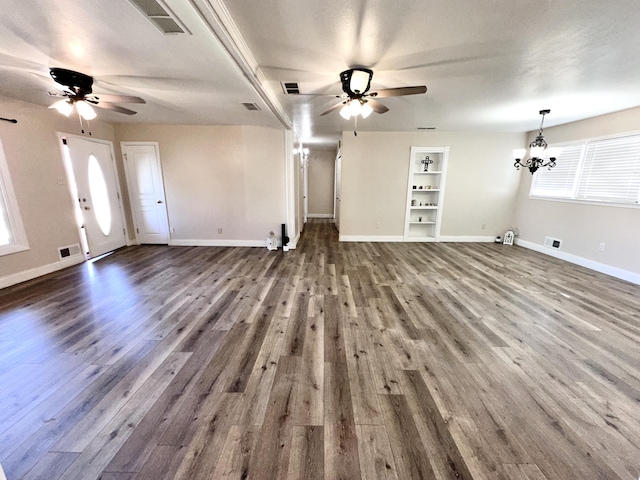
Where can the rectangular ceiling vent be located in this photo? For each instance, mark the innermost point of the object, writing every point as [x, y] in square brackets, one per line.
[251, 106]
[291, 88]
[552, 242]
[160, 16]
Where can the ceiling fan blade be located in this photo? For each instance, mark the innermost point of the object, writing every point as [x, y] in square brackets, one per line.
[398, 92]
[377, 106]
[117, 98]
[335, 107]
[115, 108]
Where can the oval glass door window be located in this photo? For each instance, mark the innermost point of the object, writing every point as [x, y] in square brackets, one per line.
[99, 196]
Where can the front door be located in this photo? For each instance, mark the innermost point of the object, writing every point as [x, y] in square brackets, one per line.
[98, 194]
[146, 192]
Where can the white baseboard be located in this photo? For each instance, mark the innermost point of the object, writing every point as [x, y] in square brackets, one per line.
[478, 239]
[320, 215]
[583, 262]
[20, 277]
[217, 243]
[371, 238]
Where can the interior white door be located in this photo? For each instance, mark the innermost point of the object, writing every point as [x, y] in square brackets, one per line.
[146, 191]
[98, 194]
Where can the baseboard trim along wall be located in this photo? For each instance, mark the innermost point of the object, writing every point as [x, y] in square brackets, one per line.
[320, 215]
[583, 262]
[26, 275]
[217, 243]
[483, 239]
[371, 238]
[400, 238]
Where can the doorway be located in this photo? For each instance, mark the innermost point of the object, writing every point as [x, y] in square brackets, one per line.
[146, 191]
[94, 184]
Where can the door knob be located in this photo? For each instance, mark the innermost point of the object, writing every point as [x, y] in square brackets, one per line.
[159, 201]
[87, 208]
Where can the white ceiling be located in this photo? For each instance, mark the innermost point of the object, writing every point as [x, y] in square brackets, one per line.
[488, 64]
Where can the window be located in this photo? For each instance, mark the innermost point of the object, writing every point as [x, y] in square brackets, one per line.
[603, 171]
[12, 235]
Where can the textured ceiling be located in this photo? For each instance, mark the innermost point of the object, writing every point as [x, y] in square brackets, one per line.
[488, 64]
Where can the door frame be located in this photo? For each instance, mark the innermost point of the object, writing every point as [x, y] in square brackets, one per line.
[69, 172]
[129, 180]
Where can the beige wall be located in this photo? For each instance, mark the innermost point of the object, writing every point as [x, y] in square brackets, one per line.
[322, 165]
[35, 165]
[480, 189]
[228, 177]
[582, 227]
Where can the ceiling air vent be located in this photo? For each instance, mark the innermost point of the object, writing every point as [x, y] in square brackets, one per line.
[160, 16]
[251, 106]
[291, 88]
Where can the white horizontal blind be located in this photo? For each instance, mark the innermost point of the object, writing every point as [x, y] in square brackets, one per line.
[560, 181]
[611, 171]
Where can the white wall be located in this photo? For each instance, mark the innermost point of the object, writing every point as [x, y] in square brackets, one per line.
[321, 182]
[35, 165]
[481, 182]
[219, 177]
[582, 227]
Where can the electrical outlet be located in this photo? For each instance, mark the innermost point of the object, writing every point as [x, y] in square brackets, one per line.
[377, 224]
[172, 230]
[601, 247]
[219, 230]
[61, 181]
[484, 226]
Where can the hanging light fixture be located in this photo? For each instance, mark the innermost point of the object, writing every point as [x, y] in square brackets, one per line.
[356, 81]
[537, 148]
[355, 107]
[65, 107]
[85, 110]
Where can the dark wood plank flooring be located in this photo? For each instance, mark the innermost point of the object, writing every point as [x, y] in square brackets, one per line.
[334, 361]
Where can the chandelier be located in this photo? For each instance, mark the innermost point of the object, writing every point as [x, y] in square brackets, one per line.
[537, 149]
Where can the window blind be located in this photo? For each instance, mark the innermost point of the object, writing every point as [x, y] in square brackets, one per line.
[560, 181]
[611, 171]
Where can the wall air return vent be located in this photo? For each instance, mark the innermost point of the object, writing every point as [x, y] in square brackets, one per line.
[552, 242]
[251, 106]
[291, 88]
[160, 16]
[69, 251]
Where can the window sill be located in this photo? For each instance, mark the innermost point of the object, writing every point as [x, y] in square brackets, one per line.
[13, 248]
[585, 202]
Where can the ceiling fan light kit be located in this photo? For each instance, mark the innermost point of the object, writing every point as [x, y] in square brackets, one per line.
[537, 149]
[357, 100]
[77, 91]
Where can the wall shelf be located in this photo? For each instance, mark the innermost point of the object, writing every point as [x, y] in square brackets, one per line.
[422, 223]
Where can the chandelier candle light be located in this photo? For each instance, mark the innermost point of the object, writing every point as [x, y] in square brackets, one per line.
[537, 149]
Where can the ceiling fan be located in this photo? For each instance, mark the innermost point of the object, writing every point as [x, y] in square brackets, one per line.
[77, 92]
[358, 100]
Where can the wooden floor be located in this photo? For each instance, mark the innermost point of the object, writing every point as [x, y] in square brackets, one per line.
[335, 361]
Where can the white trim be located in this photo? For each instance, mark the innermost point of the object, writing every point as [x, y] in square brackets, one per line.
[583, 262]
[592, 203]
[371, 238]
[294, 243]
[8, 197]
[474, 239]
[217, 243]
[20, 277]
[219, 22]
[320, 215]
